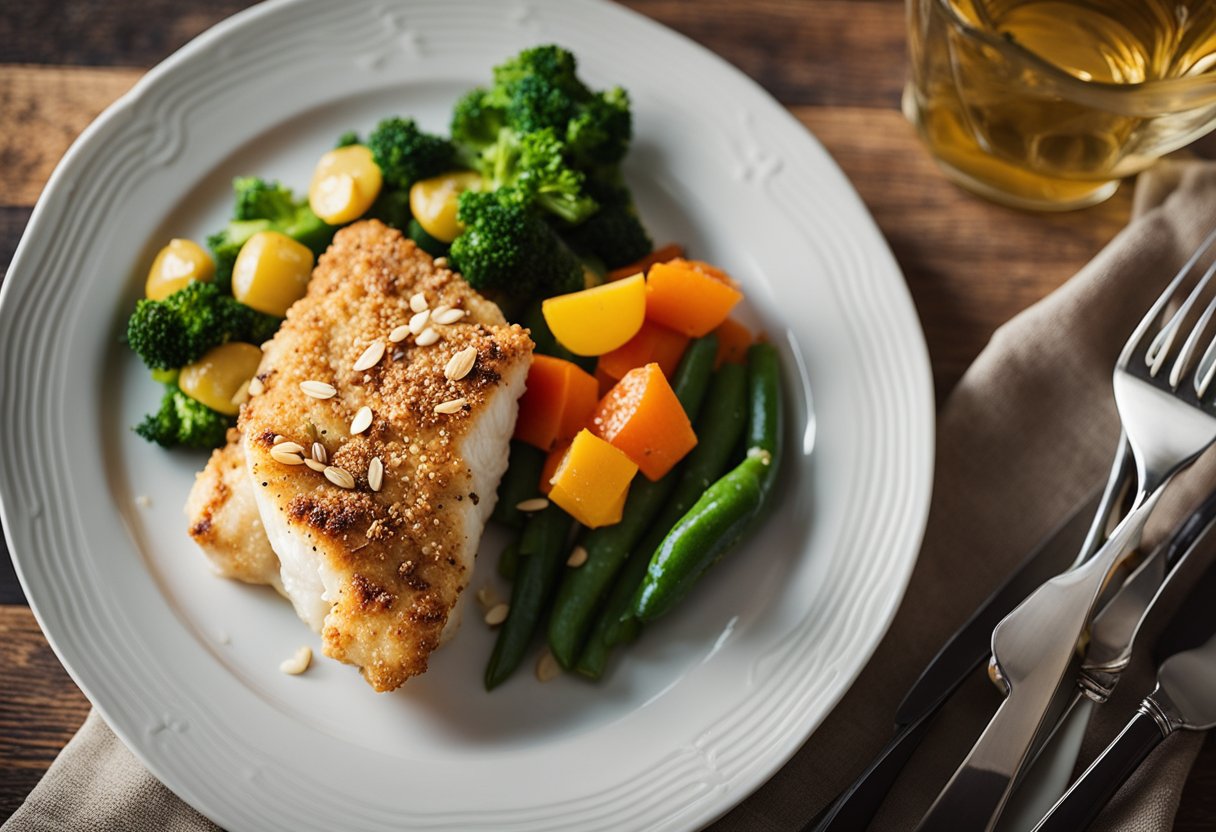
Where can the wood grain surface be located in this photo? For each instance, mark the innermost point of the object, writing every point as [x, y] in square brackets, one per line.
[837, 64]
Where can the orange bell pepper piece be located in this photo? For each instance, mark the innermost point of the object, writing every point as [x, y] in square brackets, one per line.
[733, 340]
[559, 400]
[653, 344]
[591, 481]
[689, 296]
[642, 417]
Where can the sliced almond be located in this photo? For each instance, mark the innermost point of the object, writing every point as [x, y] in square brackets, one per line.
[362, 421]
[448, 316]
[418, 302]
[339, 476]
[547, 668]
[318, 389]
[441, 262]
[497, 614]
[371, 356]
[450, 406]
[534, 504]
[241, 395]
[319, 453]
[399, 334]
[419, 321]
[427, 337]
[460, 364]
[319, 467]
[284, 457]
[577, 558]
[288, 447]
[256, 387]
[375, 473]
[298, 663]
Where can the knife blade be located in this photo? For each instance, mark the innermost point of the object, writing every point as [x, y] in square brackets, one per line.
[1185, 699]
[966, 650]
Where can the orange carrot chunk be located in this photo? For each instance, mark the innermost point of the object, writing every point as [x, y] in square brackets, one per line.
[660, 255]
[559, 399]
[733, 340]
[653, 343]
[591, 481]
[689, 296]
[642, 417]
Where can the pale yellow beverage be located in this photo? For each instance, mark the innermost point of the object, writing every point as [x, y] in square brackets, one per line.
[1048, 103]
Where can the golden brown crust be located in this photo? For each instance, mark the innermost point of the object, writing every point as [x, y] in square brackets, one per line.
[400, 556]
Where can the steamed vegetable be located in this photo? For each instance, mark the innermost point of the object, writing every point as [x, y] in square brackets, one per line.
[183, 421]
[170, 333]
[592, 480]
[689, 296]
[177, 264]
[345, 184]
[642, 417]
[557, 402]
[598, 320]
[271, 272]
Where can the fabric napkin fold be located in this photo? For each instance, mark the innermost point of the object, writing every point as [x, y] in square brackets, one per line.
[1023, 439]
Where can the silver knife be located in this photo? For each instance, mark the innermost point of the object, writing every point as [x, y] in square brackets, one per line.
[966, 650]
[1185, 699]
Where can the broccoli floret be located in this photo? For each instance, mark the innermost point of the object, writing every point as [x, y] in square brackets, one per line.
[183, 421]
[533, 164]
[171, 333]
[614, 233]
[406, 154]
[476, 121]
[557, 67]
[347, 139]
[507, 246]
[601, 132]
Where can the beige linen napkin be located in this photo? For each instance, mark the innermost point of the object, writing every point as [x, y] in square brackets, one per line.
[1022, 440]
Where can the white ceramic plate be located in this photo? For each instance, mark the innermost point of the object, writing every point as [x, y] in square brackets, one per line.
[184, 666]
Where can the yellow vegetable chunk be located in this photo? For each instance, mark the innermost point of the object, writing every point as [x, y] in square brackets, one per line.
[344, 185]
[592, 480]
[600, 319]
[216, 378]
[433, 202]
[176, 265]
[271, 272]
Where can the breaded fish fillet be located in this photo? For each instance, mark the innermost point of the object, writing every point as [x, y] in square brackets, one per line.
[224, 518]
[377, 570]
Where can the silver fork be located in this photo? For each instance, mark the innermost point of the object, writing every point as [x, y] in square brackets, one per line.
[1160, 403]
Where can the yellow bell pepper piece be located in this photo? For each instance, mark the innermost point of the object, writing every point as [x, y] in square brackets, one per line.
[344, 185]
[176, 265]
[271, 272]
[216, 378]
[433, 202]
[600, 319]
[592, 480]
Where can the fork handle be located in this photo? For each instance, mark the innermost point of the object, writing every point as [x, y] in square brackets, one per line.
[1033, 646]
[1076, 810]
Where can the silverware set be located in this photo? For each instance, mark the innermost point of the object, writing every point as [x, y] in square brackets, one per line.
[1057, 634]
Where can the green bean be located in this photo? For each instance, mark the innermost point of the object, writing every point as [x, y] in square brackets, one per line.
[508, 561]
[728, 507]
[582, 590]
[542, 551]
[520, 482]
[719, 428]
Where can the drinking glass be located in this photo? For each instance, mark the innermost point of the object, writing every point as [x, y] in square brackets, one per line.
[1047, 104]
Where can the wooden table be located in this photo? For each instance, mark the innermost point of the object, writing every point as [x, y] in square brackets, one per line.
[837, 64]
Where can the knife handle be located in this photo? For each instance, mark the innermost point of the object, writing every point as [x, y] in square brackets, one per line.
[856, 806]
[1076, 810]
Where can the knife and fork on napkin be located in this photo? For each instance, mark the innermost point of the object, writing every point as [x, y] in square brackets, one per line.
[1072, 635]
